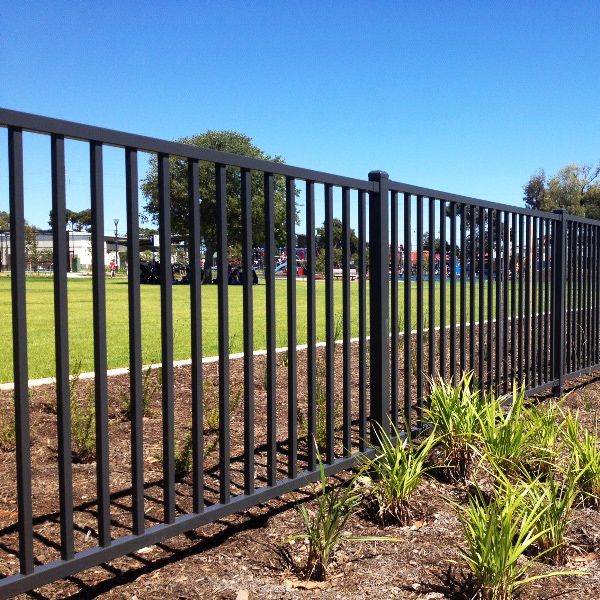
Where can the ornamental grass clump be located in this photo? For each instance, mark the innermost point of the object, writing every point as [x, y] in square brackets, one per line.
[559, 498]
[501, 536]
[395, 472]
[324, 527]
[546, 428]
[505, 434]
[585, 457]
[454, 412]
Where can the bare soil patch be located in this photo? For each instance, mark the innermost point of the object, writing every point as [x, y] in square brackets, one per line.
[243, 556]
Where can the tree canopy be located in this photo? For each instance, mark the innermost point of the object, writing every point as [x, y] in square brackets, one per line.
[225, 141]
[79, 221]
[574, 188]
[337, 245]
[4, 220]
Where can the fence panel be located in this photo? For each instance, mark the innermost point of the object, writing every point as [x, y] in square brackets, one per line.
[445, 284]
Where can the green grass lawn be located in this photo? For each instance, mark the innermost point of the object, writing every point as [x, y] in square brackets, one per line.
[40, 319]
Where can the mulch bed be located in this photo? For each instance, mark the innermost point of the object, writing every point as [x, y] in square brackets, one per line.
[244, 556]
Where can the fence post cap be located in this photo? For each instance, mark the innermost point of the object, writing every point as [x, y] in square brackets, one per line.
[560, 211]
[377, 175]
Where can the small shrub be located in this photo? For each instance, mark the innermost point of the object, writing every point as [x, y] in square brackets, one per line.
[8, 434]
[150, 385]
[324, 528]
[210, 405]
[83, 428]
[545, 429]
[504, 433]
[455, 414]
[184, 455]
[395, 472]
[559, 498]
[498, 534]
[585, 457]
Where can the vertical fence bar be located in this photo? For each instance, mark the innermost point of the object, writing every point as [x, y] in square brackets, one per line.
[534, 296]
[499, 307]
[379, 304]
[223, 316]
[329, 330]
[248, 309]
[195, 241]
[407, 308]
[290, 226]
[593, 292]
[431, 335]
[581, 310]
[540, 320]
[420, 310]
[546, 308]
[443, 289]
[568, 227]
[572, 297]
[521, 292]
[577, 302]
[271, 365]
[463, 288]
[505, 274]
[453, 292]
[99, 318]
[362, 320]
[528, 282]
[394, 307]
[559, 260]
[19, 338]
[311, 334]
[513, 300]
[548, 263]
[135, 341]
[166, 320]
[473, 232]
[347, 366]
[481, 311]
[588, 330]
[595, 304]
[61, 327]
[490, 290]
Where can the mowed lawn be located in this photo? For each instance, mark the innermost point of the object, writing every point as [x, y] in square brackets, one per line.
[40, 320]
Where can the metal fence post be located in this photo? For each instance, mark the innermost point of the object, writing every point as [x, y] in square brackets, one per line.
[379, 304]
[558, 304]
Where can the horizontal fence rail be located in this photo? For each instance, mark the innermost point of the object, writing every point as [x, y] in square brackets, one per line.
[443, 284]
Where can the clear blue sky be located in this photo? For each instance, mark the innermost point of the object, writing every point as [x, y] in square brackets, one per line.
[466, 97]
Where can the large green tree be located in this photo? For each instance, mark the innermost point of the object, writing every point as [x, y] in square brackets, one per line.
[225, 141]
[320, 241]
[574, 188]
[77, 221]
[4, 220]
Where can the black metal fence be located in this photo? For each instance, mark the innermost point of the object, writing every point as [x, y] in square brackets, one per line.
[505, 292]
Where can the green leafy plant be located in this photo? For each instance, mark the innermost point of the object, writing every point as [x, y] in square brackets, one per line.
[545, 428]
[151, 382]
[83, 428]
[498, 534]
[210, 404]
[559, 498]
[324, 527]
[8, 435]
[455, 414]
[394, 473]
[504, 433]
[585, 457]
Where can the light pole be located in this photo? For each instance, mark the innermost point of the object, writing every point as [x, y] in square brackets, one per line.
[116, 221]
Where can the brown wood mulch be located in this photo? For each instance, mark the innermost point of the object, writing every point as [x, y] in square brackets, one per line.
[245, 555]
